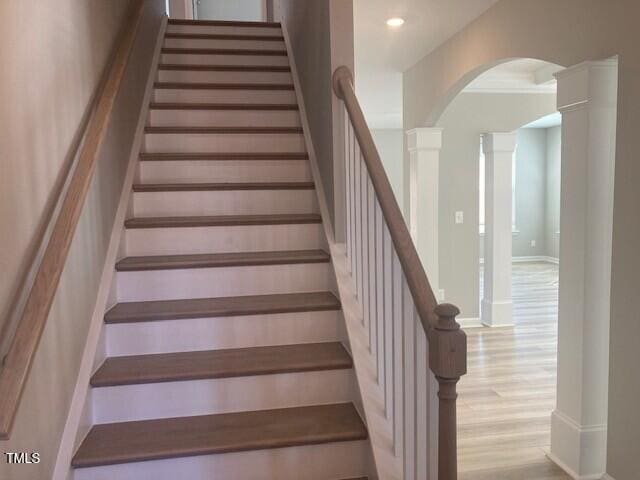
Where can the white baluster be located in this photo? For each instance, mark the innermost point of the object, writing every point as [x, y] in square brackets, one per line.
[398, 313]
[358, 226]
[421, 379]
[409, 384]
[387, 257]
[347, 156]
[371, 270]
[380, 288]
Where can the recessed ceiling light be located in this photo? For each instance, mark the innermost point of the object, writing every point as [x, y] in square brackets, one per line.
[395, 22]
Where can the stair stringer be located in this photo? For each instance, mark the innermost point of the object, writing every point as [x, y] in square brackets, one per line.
[368, 395]
[79, 417]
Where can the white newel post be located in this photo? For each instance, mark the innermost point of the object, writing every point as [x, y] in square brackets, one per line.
[424, 145]
[497, 309]
[587, 95]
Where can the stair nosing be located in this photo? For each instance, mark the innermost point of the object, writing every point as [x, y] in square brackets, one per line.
[224, 68]
[296, 417]
[224, 106]
[166, 309]
[339, 359]
[224, 23]
[241, 52]
[222, 220]
[224, 36]
[285, 87]
[217, 187]
[242, 259]
[178, 130]
[217, 156]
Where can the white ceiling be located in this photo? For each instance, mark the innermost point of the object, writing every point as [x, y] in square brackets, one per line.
[383, 53]
[517, 76]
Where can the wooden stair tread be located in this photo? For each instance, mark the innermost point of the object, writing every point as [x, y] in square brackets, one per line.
[224, 51]
[223, 220]
[224, 130]
[227, 363]
[206, 156]
[224, 23]
[195, 187]
[225, 36]
[221, 307]
[224, 68]
[109, 444]
[213, 260]
[221, 86]
[223, 106]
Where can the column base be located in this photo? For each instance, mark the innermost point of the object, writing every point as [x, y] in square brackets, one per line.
[578, 450]
[496, 314]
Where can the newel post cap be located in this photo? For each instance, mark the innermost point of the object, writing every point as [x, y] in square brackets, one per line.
[448, 345]
[341, 73]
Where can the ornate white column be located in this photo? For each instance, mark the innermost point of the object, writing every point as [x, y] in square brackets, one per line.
[497, 309]
[422, 172]
[587, 95]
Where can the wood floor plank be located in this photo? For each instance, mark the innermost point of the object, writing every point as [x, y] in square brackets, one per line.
[225, 363]
[224, 106]
[115, 443]
[222, 307]
[212, 260]
[224, 156]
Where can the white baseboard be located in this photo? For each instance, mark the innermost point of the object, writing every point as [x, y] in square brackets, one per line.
[73, 424]
[470, 322]
[606, 476]
[579, 450]
[531, 259]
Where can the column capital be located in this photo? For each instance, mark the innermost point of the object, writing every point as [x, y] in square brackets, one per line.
[499, 142]
[424, 138]
[591, 82]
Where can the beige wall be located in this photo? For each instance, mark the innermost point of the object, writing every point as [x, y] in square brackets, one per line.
[566, 32]
[55, 54]
[467, 117]
[321, 34]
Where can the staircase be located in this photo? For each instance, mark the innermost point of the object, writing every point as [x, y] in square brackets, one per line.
[225, 349]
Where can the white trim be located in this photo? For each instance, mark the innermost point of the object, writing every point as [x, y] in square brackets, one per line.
[470, 322]
[570, 472]
[72, 425]
[606, 476]
[531, 259]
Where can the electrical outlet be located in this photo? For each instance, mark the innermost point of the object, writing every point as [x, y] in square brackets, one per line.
[533, 243]
[459, 217]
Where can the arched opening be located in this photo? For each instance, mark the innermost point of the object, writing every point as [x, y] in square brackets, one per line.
[514, 411]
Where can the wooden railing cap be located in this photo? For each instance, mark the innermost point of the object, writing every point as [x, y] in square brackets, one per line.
[341, 73]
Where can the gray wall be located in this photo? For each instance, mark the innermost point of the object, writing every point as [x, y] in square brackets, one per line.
[577, 30]
[244, 10]
[390, 145]
[44, 101]
[552, 192]
[469, 116]
[321, 34]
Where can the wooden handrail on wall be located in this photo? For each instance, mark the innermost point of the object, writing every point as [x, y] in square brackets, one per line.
[23, 346]
[447, 342]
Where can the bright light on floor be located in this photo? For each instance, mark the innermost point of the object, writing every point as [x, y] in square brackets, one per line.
[395, 22]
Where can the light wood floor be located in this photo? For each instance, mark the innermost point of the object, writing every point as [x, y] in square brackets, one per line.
[507, 396]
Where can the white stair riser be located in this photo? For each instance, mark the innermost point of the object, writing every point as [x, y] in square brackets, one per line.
[223, 30]
[245, 331]
[175, 95]
[238, 202]
[217, 59]
[313, 462]
[193, 171]
[204, 397]
[244, 238]
[195, 76]
[224, 142]
[222, 282]
[224, 118]
[223, 43]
